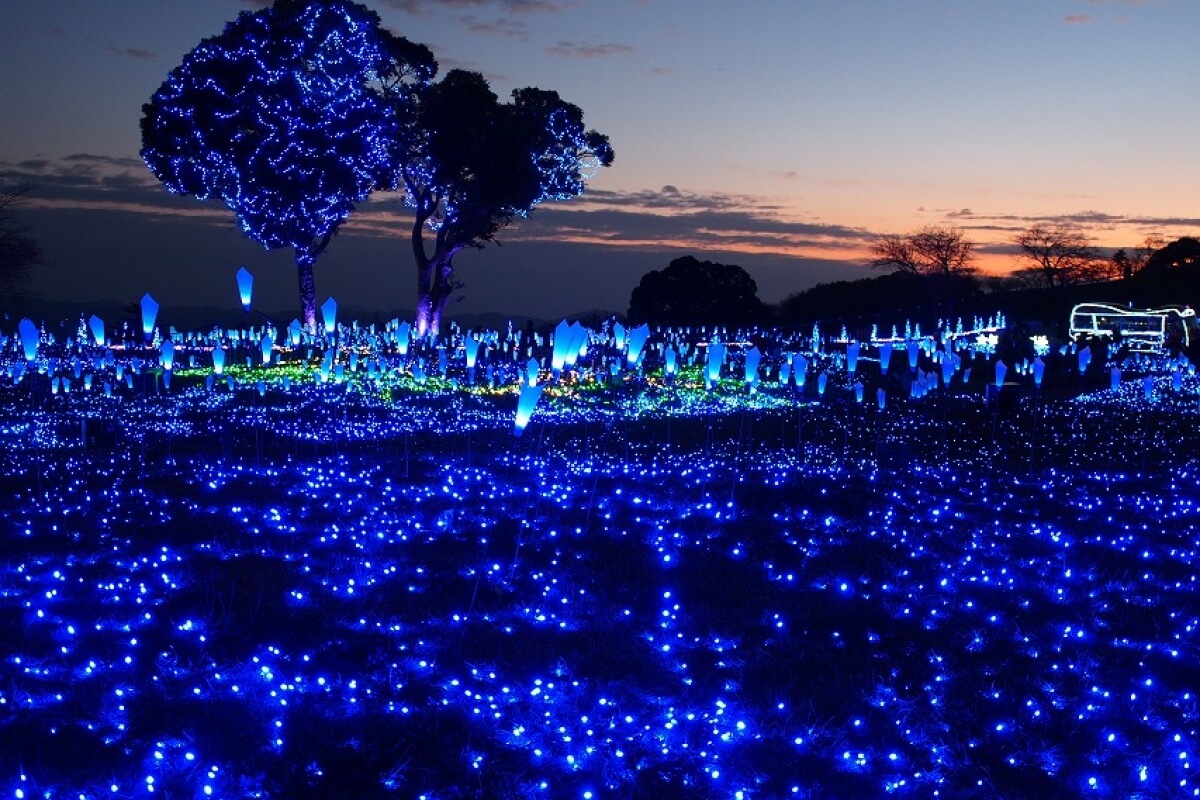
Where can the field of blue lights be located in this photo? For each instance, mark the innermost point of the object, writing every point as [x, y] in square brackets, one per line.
[694, 565]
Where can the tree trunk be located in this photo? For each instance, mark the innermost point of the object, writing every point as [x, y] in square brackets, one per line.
[308, 288]
[435, 285]
[435, 278]
[425, 276]
[443, 287]
[425, 272]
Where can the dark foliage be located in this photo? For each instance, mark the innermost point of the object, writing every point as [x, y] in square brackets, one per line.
[1183, 252]
[694, 292]
[1173, 280]
[886, 299]
[477, 164]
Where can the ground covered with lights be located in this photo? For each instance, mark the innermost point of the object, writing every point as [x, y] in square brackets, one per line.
[310, 588]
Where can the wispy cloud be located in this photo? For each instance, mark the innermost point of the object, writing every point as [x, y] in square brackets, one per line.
[586, 50]
[671, 217]
[1113, 8]
[1090, 219]
[666, 217]
[92, 182]
[514, 6]
[132, 52]
[511, 28]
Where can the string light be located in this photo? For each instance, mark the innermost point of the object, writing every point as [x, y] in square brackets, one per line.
[665, 586]
[286, 118]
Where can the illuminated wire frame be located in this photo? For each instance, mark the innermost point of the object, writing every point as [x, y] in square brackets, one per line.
[1142, 330]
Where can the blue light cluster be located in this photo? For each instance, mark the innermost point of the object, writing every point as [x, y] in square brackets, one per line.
[290, 117]
[361, 584]
[297, 140]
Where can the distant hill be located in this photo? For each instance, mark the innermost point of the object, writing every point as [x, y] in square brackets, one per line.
[896, 297]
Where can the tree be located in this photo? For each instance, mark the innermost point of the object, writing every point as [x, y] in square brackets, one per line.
[475, 164]
[1056, 256]
[290, 117]
[1183, 252]
[1123, 265]
[693, 292]
[927, 251]
[1149, 246]
[1120, 265]
[19, 252]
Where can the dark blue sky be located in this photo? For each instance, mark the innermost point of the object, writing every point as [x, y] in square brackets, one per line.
[778, 134]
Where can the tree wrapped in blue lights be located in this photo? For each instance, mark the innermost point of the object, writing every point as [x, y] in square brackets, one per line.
[476, 163]
[290, 117]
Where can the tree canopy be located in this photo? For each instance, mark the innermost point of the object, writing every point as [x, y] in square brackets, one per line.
[1183, 252]
[477, 163]
[296, 113]
[290, 117]
[927, 251]
[1056, 256]
[693, 292]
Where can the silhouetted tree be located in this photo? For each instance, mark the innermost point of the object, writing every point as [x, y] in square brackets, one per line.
[477, 163]
[1183, 252]
[886, 299]
[1120, 265]
[1171, 275]
[1056, 256]
[928, 251]
[693, 292]
[1142, 253]
[19, 252]
[943, 258]
[290, 117]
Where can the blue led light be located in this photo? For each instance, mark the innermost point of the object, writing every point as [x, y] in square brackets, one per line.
[243, 591]
[290, 118]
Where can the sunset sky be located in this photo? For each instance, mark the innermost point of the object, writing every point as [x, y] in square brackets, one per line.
[782, 135]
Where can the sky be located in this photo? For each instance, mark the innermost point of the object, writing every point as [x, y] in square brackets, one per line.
[780, 135]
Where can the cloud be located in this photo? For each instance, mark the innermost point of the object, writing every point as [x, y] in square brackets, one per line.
[669, 218]
[513, 29]
[1089, 219]
[657, 71]
[514, 6]
[104, 183]
[585, 50]
[132, 52]
[106, 216]
[111, 230]
[678, 219]
[1113, 15]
